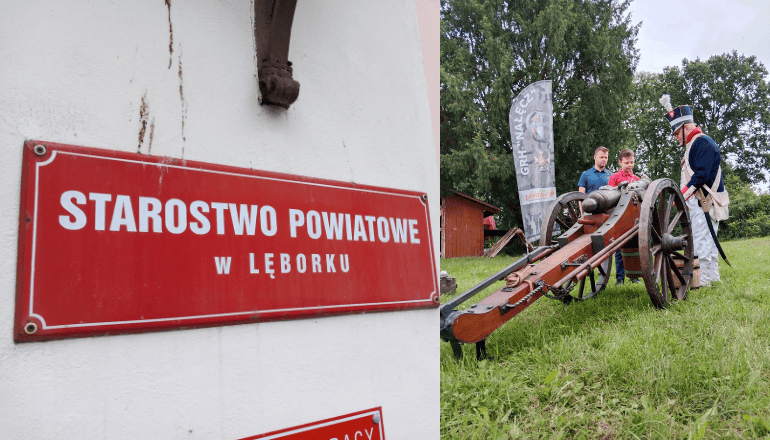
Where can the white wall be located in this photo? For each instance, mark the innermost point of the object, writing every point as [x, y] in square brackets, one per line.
[75, 72]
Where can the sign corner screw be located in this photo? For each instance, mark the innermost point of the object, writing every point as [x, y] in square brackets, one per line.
[424, 197]
[376, 419]
[30, 328]
[39, 149]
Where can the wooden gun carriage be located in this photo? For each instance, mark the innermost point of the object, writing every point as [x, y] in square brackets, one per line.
[647, 221]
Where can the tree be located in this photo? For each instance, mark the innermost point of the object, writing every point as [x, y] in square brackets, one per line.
[491, 50]
[749, 212]
[657, 155]
[731, 102]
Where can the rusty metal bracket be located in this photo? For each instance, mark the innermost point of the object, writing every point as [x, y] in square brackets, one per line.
[272, 31]
[578, 261]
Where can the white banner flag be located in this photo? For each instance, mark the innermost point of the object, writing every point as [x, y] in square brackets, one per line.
[531, 123]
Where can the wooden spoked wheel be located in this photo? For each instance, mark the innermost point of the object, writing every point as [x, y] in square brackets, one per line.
[562, 215]
[665, 237]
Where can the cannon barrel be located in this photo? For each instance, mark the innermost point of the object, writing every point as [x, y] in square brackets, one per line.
[601, 200]
[607, 197]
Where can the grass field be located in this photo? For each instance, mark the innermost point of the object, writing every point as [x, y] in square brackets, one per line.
[614, 367]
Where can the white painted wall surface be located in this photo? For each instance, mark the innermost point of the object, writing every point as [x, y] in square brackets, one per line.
[75, 72]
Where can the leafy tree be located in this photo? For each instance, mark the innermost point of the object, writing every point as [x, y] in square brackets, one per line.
[731, 102]
[749, 212]
[657, 154]
[491, 50]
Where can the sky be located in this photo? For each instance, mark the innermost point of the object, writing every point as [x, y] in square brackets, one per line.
[676, 29]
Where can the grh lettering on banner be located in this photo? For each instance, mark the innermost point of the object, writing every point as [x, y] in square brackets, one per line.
[531, 124]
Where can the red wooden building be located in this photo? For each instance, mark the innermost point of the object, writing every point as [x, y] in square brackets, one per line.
[462, 228]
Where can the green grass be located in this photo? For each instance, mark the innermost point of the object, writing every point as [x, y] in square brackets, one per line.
[614, 367]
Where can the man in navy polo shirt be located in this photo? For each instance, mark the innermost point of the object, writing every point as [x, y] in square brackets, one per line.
[597, 176]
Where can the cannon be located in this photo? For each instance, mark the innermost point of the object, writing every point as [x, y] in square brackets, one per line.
[647, 221]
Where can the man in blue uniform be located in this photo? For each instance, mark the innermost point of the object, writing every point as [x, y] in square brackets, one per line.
[701, 177]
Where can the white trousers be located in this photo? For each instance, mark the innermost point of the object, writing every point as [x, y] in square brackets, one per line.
[705, 248]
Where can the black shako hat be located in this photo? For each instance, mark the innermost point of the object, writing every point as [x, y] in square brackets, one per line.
[676, 116]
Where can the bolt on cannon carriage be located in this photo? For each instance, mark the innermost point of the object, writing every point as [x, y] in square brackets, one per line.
[647, 221]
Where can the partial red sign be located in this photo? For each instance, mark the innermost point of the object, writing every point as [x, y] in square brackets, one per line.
[115, 242]
[362, 425]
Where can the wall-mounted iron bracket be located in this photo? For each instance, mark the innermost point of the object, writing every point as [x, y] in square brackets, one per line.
[272, 30]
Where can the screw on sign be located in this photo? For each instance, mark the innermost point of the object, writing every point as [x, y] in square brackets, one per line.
[361, 425]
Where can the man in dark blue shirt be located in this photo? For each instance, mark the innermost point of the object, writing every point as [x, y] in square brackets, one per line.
[591, 180]
[597, 176]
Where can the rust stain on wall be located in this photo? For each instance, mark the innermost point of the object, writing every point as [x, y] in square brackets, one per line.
[170, 35]
[164, 169]
[152, 132]
[181, 96]
[143, 114]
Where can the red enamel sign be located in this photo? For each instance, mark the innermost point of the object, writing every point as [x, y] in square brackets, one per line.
[114, 242]
[362, 425]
